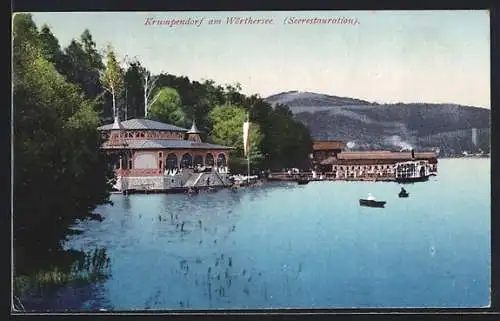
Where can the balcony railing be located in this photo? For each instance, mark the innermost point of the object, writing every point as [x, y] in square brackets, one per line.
[139, 172]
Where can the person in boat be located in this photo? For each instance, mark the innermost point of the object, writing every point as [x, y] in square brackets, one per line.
[403, 191]
[370, 197]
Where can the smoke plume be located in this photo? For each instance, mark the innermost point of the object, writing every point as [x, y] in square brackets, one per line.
[350, 145]
[396, 141]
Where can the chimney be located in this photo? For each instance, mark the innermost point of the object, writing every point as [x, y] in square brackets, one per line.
[412, 154]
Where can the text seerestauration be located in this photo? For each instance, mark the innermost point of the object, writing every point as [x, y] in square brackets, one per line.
[316, 21]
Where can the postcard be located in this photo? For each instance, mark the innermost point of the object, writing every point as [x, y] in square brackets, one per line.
[188, 161]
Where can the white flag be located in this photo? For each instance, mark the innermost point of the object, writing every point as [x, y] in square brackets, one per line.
[246, 137]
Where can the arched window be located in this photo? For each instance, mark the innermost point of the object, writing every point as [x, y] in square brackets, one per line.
[172, 161]
[209, 160]
[187, 160]
[221, 160]
[198, 160]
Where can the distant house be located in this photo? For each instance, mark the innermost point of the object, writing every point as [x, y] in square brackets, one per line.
[323, 149]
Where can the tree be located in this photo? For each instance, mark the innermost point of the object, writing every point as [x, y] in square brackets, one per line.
[133, 83]
[227, 130]
[59, 174]
[112, 77]
[82, 65]
[51, 49]
[232, 95]
[149, 87]
[286, 142]
[167, 107]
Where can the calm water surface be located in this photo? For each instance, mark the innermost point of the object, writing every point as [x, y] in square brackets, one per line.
[290, 246]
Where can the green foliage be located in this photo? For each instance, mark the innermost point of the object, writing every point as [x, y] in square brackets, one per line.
[287, 142]
[219, 112]
[167, 107]
[135, 93]
[50, 48]
[60, 176]
[82, 65]
[228, 130]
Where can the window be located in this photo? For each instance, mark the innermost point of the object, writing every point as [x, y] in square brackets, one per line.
[160, 164]
[130, 164]
[160, 154]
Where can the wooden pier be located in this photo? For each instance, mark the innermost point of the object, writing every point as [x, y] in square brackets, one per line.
[330, 177]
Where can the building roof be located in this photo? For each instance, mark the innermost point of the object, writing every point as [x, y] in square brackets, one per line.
[144, 124]
[328, 144]
[193, 129]
[377, 155]
[163, 144]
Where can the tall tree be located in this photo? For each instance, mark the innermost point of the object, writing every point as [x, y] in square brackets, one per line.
[134, 88]
[83, 64]
[112, 78]
[56, 150]
[51, 49]
[149, 83]
[286, 142]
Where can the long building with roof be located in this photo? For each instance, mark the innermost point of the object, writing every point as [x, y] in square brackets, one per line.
[369, 163]
[141, 150]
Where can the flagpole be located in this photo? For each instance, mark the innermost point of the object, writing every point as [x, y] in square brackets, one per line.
[248, 155]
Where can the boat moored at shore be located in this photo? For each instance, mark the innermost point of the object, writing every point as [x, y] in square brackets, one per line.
[412, 171]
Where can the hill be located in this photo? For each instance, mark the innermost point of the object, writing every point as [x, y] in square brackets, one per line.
[367, 125]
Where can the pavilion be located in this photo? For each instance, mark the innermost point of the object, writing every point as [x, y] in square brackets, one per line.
[143, 147]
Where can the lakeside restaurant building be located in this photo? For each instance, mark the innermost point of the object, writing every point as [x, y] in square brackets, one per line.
[141, 150]
[373, 163]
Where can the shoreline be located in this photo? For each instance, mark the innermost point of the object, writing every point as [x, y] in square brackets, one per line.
[257, 183]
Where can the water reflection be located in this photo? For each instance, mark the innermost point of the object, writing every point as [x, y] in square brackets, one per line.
[74, 283]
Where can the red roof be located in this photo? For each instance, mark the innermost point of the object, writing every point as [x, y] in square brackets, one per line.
[378, 155]
[328, 144]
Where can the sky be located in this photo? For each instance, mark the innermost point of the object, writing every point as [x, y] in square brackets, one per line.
[384, 56]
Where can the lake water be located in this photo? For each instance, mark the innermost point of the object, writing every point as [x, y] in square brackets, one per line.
[290, 246]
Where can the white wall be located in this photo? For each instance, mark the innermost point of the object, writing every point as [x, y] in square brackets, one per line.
[145, 160]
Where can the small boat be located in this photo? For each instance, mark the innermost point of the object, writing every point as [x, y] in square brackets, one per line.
[403, 194]
[371, 203]
[302, 181]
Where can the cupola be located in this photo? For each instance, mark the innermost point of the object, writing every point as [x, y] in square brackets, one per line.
[193, 134]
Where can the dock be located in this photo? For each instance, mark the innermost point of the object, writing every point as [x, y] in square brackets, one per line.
[330, 177]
